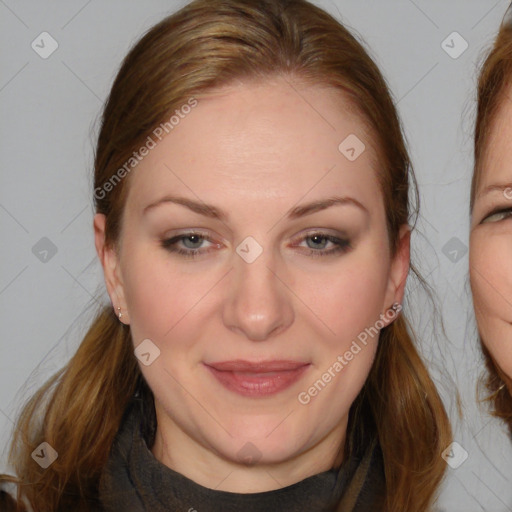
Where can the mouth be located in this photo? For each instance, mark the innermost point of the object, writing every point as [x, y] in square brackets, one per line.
[257, 379]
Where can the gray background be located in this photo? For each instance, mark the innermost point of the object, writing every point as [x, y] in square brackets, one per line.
[49, 111]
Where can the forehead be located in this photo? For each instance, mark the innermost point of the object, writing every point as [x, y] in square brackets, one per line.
[274, 138]
[497, 158]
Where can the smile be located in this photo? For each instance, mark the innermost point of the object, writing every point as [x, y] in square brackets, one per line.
[257, 379]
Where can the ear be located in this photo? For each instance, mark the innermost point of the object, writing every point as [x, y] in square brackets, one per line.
[111, 270]
[400, 265]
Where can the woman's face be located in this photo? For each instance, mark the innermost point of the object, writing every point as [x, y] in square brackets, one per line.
[491, 242]
[274, 275]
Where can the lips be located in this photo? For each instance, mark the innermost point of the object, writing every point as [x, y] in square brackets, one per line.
[257, 379]
[240, 365]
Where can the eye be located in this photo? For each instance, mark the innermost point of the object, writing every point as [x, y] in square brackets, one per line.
[319, 241]
[497, 215]
[192, 242]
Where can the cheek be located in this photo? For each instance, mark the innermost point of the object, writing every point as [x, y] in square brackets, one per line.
[351, 298]
[491, 283]
[350, 304]
[160, 295]
[491, 275]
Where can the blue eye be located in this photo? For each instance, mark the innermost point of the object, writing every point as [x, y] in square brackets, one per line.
[339, 245]
[195, 240]
[191, 244]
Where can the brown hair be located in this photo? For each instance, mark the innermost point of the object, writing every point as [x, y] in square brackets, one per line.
[210, 43]
[493, 82]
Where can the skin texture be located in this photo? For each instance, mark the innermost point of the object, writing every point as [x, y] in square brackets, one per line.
[254, 150]
[491, 242]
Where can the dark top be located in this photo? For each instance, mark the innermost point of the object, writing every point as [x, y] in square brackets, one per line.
[133, 480]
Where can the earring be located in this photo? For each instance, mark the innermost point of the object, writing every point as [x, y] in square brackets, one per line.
[120, 315]
[395, 306]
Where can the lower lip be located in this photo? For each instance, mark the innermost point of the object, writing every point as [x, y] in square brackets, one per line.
[258, 384]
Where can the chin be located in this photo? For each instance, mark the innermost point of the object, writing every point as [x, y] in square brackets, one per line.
[270, 441]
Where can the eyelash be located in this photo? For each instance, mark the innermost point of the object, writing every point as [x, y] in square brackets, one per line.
[507, 211]
[341, 245]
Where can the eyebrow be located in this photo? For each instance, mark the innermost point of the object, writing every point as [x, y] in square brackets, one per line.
[500, 187]
[298, 211]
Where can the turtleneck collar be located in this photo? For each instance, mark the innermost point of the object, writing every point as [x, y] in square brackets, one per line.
[133, 480]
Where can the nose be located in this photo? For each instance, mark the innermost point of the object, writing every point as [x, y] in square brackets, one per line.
[259, 304]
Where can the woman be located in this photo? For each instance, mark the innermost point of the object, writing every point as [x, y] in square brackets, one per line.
[491, 221]
[251, 192]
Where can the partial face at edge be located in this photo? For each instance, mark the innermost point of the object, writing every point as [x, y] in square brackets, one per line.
[491, 242]
[255, 152]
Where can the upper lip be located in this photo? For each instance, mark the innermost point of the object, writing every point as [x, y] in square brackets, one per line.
[240, 365]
